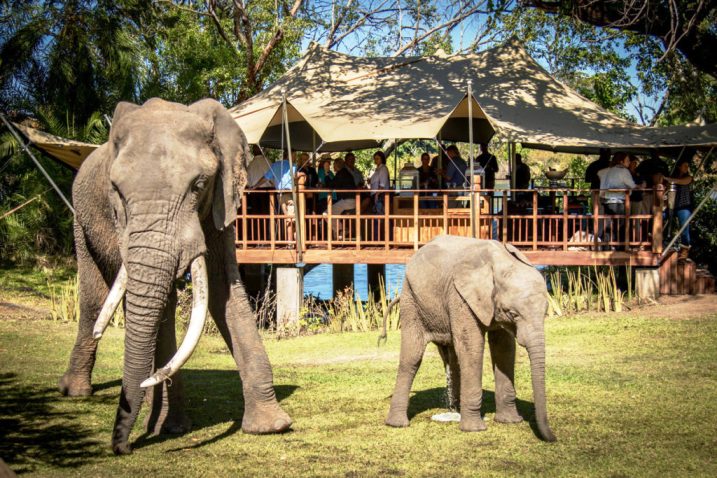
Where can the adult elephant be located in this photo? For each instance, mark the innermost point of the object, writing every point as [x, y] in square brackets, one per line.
[456, 290]
[158, 198]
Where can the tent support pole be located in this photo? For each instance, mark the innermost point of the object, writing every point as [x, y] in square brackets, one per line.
[37, 163]
[511, 162]
[470, 158]
[439, 164]
[395, 161]
[294, 185]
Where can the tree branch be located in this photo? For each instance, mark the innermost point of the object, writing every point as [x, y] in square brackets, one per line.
[448, 24]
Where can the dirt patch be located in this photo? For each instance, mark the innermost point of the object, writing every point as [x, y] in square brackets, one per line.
[680, 307]
[9, 310]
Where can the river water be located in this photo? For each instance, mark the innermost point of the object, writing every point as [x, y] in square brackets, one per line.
[318, 282]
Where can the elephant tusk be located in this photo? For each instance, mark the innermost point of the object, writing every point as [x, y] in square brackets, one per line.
[200, 302]
[113, 299]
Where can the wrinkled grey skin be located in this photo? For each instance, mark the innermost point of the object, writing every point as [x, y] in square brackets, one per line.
[456, 290]
[162, 191]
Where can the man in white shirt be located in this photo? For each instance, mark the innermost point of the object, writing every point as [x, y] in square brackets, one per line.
[616, 177]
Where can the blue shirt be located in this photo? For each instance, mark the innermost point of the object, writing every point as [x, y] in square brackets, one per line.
[280, 175]
[456, 171]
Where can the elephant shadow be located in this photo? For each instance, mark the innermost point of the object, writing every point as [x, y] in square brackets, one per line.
[212, 397]
[34, 431]
[437, 397]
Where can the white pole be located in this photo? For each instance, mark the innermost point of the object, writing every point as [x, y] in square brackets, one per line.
[294, 181]
[470, 156]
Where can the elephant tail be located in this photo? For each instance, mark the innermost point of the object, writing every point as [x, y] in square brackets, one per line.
[385, 318]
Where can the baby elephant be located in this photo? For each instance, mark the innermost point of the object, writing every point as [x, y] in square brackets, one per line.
[457, 289]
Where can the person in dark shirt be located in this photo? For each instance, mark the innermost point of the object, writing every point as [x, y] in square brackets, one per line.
[312, 177]
[651, 169]
[343, 179]
[591, 173]
[682, 179]
[489, 163]
[522, 173]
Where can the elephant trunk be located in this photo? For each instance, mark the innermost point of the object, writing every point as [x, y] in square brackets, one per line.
[197, 319]
[536, 352]
[150, 277]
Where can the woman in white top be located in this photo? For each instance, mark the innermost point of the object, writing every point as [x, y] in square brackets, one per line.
[379, 181]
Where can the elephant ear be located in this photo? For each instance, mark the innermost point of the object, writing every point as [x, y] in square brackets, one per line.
[517, 254]
[231, 147]
[473, 280]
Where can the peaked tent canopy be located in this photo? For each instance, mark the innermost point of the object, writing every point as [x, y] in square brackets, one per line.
[340, 102]
[68, 151]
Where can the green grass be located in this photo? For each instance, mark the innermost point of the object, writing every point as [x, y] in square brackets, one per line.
[32, 284]
[627, 396]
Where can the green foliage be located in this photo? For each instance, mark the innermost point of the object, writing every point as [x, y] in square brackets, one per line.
[585, 57]
[703, 231]
[44, 226]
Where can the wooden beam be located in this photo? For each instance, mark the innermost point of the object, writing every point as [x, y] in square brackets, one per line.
[379, 255]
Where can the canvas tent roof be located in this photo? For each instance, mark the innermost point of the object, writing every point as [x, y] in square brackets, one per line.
[343, 102]
[70, 152]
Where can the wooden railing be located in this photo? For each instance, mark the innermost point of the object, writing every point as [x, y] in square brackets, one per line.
[532, 220]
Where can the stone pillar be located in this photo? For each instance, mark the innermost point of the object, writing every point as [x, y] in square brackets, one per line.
[289, 294]
[647, 283]
[376, 276]
[343, 276]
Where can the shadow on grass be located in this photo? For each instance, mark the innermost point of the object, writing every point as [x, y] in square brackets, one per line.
[212, 397]
[33, 433]
[436, 398]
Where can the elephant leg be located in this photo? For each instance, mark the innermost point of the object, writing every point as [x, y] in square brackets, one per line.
[453, 376]
[77, 380]
[413, 345]
[502, 353]
[166, 399]
[236, 321]
[469, 343]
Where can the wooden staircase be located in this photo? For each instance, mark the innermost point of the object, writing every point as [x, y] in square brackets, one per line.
[682, 277]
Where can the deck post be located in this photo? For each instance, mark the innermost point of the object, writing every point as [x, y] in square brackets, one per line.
[289, 294]
[342, 277]
[647, 283]
[657, 221]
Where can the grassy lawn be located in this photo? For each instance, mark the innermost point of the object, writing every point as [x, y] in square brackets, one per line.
[627, 396]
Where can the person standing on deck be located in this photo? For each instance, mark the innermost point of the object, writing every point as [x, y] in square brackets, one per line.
[616, 177]
[683, 202]
[489, 163]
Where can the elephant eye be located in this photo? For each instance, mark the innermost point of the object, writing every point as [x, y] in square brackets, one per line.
[199, 184]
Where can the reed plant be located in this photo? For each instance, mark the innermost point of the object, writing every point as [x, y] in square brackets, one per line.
[65, 303]
[344, 313]
[581, 289]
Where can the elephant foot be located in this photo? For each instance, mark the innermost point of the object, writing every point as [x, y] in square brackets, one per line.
[121, 448]
[71, 385]
[397, 420]
[472, 424]
[511, 416]
[264, 419]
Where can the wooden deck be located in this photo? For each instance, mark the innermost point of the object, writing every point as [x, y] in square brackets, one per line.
[551, 226]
